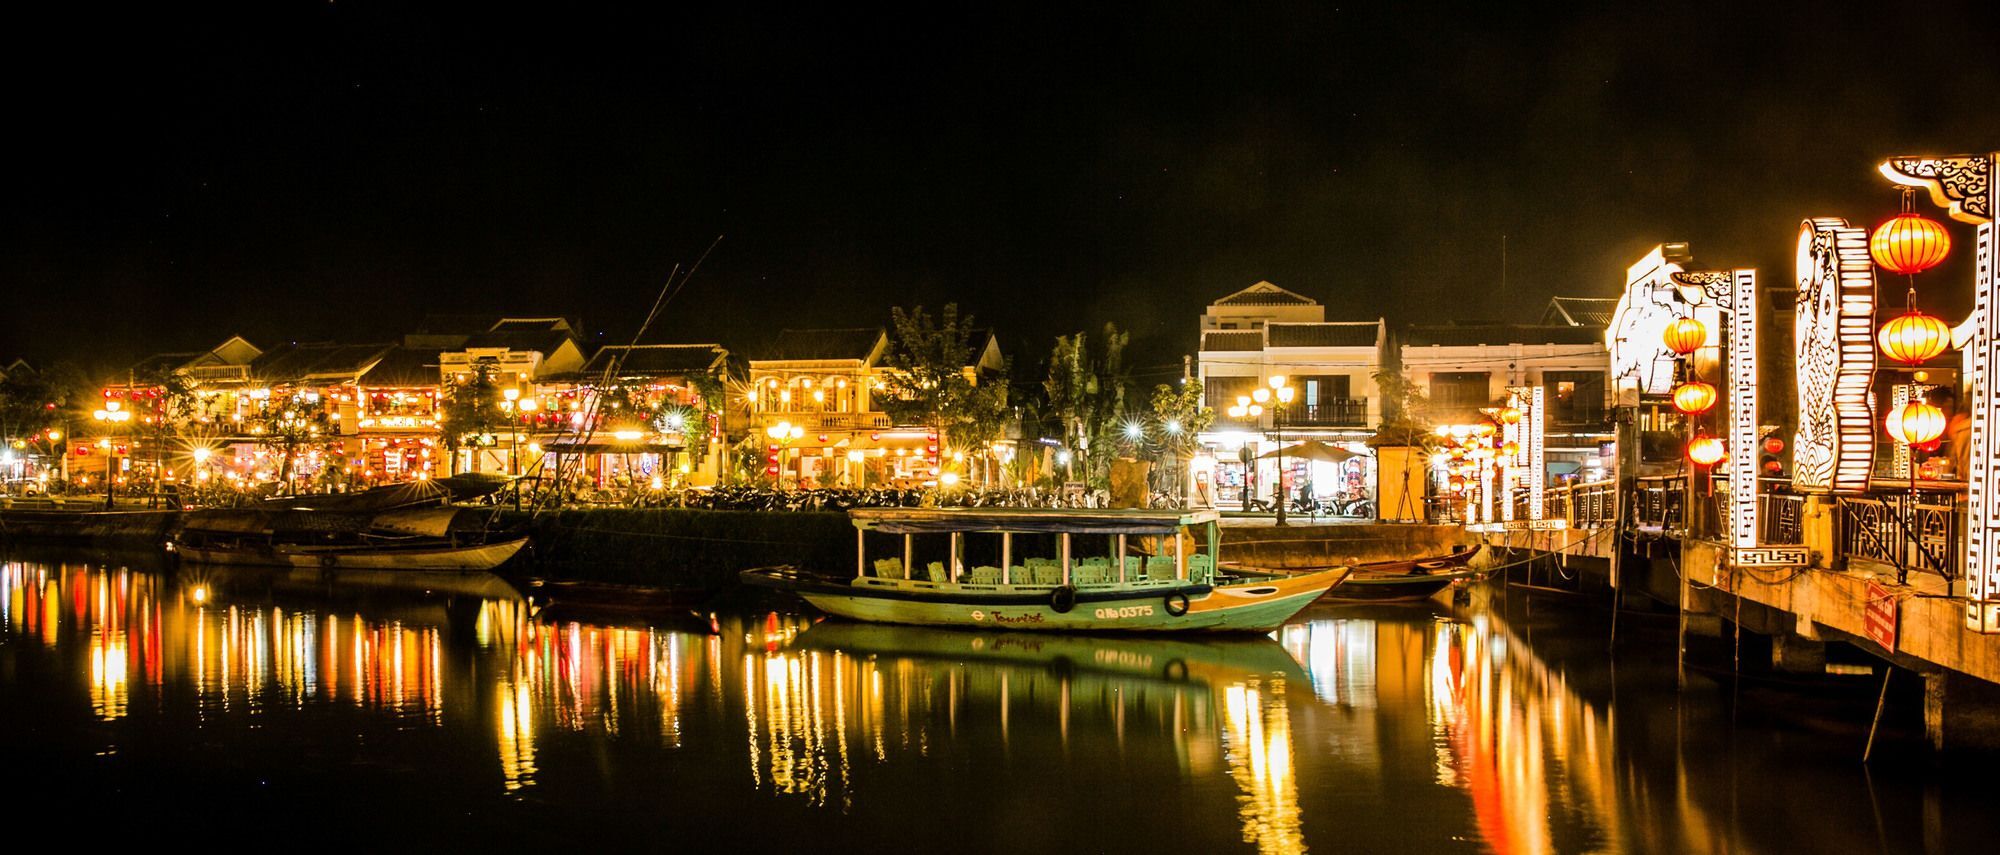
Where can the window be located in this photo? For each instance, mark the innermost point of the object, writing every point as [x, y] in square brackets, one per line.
[1220, 393]
[1574, 397]
[1323, 388]
[1461, 390]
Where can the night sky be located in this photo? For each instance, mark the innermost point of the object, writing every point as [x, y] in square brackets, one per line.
[313, 171]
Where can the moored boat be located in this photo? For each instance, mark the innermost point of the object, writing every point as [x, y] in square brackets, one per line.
[417, 540]
[1405, 580]
[1151, 577]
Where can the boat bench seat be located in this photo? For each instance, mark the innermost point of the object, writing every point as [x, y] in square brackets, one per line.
[985, 576]
[889, 568]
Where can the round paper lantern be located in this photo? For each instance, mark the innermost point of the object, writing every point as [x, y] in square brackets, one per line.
[1694, 397]
[1913, 338]
[1510, 416]
[1915, 423]
[1908, 244]
[1774, 445]
[1685, 336]
[1707, 450]
[1510, 450]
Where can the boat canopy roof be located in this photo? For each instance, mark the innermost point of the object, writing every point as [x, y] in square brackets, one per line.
[1034, 520]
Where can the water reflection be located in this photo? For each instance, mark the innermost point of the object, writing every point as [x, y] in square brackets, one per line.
[1354, 729]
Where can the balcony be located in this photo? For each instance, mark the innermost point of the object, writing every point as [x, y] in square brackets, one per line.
[829, 421]
[1332, 412]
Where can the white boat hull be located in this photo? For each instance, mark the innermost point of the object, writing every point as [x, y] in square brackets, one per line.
[480, 558]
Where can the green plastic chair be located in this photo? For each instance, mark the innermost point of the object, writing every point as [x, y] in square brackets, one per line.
[889, 568]
[1200, 569]
[1048, 574]
[935, 570]
[1159, 568]
[1019, 575]
[985, 576]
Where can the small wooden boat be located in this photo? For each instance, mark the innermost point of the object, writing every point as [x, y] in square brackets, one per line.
[427, 539]
[1177, 589]
[1409, 579]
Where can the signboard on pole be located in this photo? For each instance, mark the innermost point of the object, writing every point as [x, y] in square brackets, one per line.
[1880, 616]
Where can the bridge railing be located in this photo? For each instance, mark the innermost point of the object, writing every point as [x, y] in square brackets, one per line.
[1906, 529]
[1657, 504]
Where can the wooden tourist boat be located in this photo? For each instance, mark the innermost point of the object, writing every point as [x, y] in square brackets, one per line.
[1411, 579]
[415, 540]
[1175, 589]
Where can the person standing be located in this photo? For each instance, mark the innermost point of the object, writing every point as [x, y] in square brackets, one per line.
[1957, 428]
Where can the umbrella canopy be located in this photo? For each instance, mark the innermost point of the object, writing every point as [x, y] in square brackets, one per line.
[1312, 449]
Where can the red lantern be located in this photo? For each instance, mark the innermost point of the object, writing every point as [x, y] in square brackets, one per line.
[1913, 338]
[1773, 445]
[1909, 244]
[1915, 423]
[1707, 450]
[1685, 336]
[1694, 397]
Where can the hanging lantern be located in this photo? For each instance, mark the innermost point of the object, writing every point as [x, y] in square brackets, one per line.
[1685, 336]
[1512, 449]
[1456, 483]
[1707, 450]
[1909, 244]
[1915, 423]
[1913, 338]
[1694, 397]
[1510, 416]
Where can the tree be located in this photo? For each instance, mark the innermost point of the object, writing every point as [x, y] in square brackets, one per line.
[1085, 395]
[1405, 411]
[287, 429]
[470, 412]
[932, 382]
[172, 394]
[1178, 418]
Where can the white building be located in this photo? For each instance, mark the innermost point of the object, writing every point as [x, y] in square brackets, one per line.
[1463, 368]
[1264, 332]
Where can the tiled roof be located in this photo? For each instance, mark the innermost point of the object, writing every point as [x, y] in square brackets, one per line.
[1579, 311]
[404, 367]
[652, 360]
[1500, 334]
[543, 342]
[1349, 334]
[1232, 340]
[856, 343]
[293, 362]
[1266, 294]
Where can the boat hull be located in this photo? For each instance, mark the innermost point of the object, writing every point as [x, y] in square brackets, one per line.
[482, 558]
[1260, 606]
[1363, 589]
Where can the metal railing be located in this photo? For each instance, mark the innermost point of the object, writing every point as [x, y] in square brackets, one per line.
[1908, 532]
[1658, 504]
[1588, 505]
[1781, 519]
[1335, 412]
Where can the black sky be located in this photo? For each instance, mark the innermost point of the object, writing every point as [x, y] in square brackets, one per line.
[334, 170]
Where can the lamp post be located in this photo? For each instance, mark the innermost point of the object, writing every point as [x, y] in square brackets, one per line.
[1242, 409]
[112, 416]
[783, 433]
[1281, 395]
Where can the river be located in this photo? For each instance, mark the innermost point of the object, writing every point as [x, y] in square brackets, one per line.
[139, 706]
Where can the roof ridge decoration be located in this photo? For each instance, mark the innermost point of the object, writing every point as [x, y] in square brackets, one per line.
[1265, 288]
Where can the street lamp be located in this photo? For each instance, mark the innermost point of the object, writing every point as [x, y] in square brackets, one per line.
[112, 416]
[1244, 408]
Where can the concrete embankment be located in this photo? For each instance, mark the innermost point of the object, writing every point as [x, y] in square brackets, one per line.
[87, 528]
[1300, 546]
[676, 547]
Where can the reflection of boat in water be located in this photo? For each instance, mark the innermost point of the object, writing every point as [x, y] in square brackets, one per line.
[1410, 579]
[421, 540]
[1177, 591]
[321, 582]
[1216, 661]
